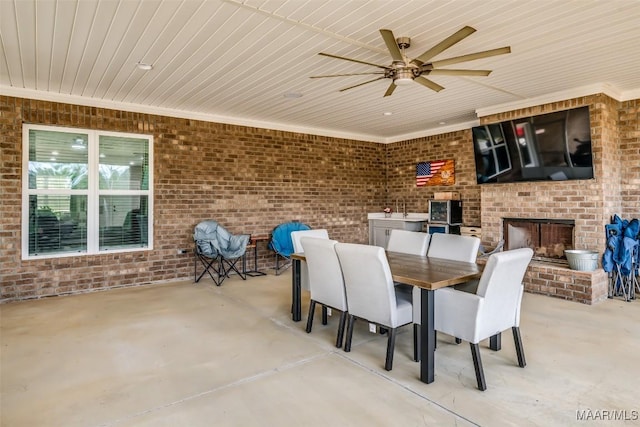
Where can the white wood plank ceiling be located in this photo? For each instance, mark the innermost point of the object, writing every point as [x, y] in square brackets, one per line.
[235, 61]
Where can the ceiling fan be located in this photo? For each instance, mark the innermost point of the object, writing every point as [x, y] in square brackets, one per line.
[403, 70]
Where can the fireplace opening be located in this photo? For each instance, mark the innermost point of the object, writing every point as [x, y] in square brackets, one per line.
[547, 237]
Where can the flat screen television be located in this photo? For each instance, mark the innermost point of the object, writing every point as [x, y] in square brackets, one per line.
[554, 146]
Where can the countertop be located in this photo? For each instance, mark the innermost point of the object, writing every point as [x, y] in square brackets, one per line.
[397, 216]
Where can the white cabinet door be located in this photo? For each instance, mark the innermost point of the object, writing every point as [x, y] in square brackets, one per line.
[380, 236]
[380, 230]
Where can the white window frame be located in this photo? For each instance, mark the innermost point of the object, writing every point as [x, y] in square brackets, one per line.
[93, 192]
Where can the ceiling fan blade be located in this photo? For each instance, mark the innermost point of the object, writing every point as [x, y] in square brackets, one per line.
[390, 90]
[444, 44]
[443, 72]
[353, 60]
[360, 84]
[471, 56]
[345, 75]
[428, 83]
[392, 45]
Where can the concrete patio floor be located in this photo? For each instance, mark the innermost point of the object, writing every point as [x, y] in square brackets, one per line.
[185, 354]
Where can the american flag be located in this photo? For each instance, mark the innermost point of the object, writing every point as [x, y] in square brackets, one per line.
[426, 170]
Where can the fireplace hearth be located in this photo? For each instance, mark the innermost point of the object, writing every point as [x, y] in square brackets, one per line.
[547, 237]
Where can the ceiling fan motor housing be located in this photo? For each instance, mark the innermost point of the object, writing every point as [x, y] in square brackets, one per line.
[403, 42]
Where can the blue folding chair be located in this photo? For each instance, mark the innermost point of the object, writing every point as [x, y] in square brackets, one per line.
[282, 244]
[621, 257]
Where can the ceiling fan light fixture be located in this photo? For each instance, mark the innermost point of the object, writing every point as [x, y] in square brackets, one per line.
[403, 78]
[403, 81]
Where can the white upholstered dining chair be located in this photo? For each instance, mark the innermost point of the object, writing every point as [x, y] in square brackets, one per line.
[371, 294]
[447, 246]
[408, 242]
[326, 284]
[494, 308]
[454, 247]
[319, 233]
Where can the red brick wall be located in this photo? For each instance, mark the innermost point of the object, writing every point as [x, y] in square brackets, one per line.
[616, 189]
[252, 179]
[248, 179]
[402, 158]
[630, 149]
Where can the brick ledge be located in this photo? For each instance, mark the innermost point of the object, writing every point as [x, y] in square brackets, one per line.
[559, 281]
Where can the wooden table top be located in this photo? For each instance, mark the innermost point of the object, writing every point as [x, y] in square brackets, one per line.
[299, 256]
[424, 272]
[431, 273]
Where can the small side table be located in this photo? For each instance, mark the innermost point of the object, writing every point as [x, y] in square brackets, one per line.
[253, 243]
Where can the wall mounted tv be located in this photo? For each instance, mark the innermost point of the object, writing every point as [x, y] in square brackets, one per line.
[554, 146]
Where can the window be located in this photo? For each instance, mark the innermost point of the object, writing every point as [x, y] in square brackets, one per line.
[85, 192]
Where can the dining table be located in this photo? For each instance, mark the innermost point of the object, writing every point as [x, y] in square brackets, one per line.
[427, 273]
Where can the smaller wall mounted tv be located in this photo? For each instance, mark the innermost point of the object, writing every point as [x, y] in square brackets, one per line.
[555, 146]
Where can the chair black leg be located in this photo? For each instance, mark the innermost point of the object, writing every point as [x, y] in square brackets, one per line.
[495, 342]
[221, 273]
[477, 364]
[324, 314]
[519, 349]
[312, 309]
[391, 344]
[231, 266]
[208, 264]
[343, 320]
[350, 321]
[205, 263]
[458, 340]
[416, 342]
[285, 265]
[244, 264]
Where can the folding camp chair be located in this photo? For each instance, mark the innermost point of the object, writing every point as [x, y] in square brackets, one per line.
[218, 251]
[282, 244]
[628, 256]
[621, 257]
[613, 233]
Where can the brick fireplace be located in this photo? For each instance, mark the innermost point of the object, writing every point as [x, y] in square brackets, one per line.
[587, 205]
[547, 237]
[549, 273]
